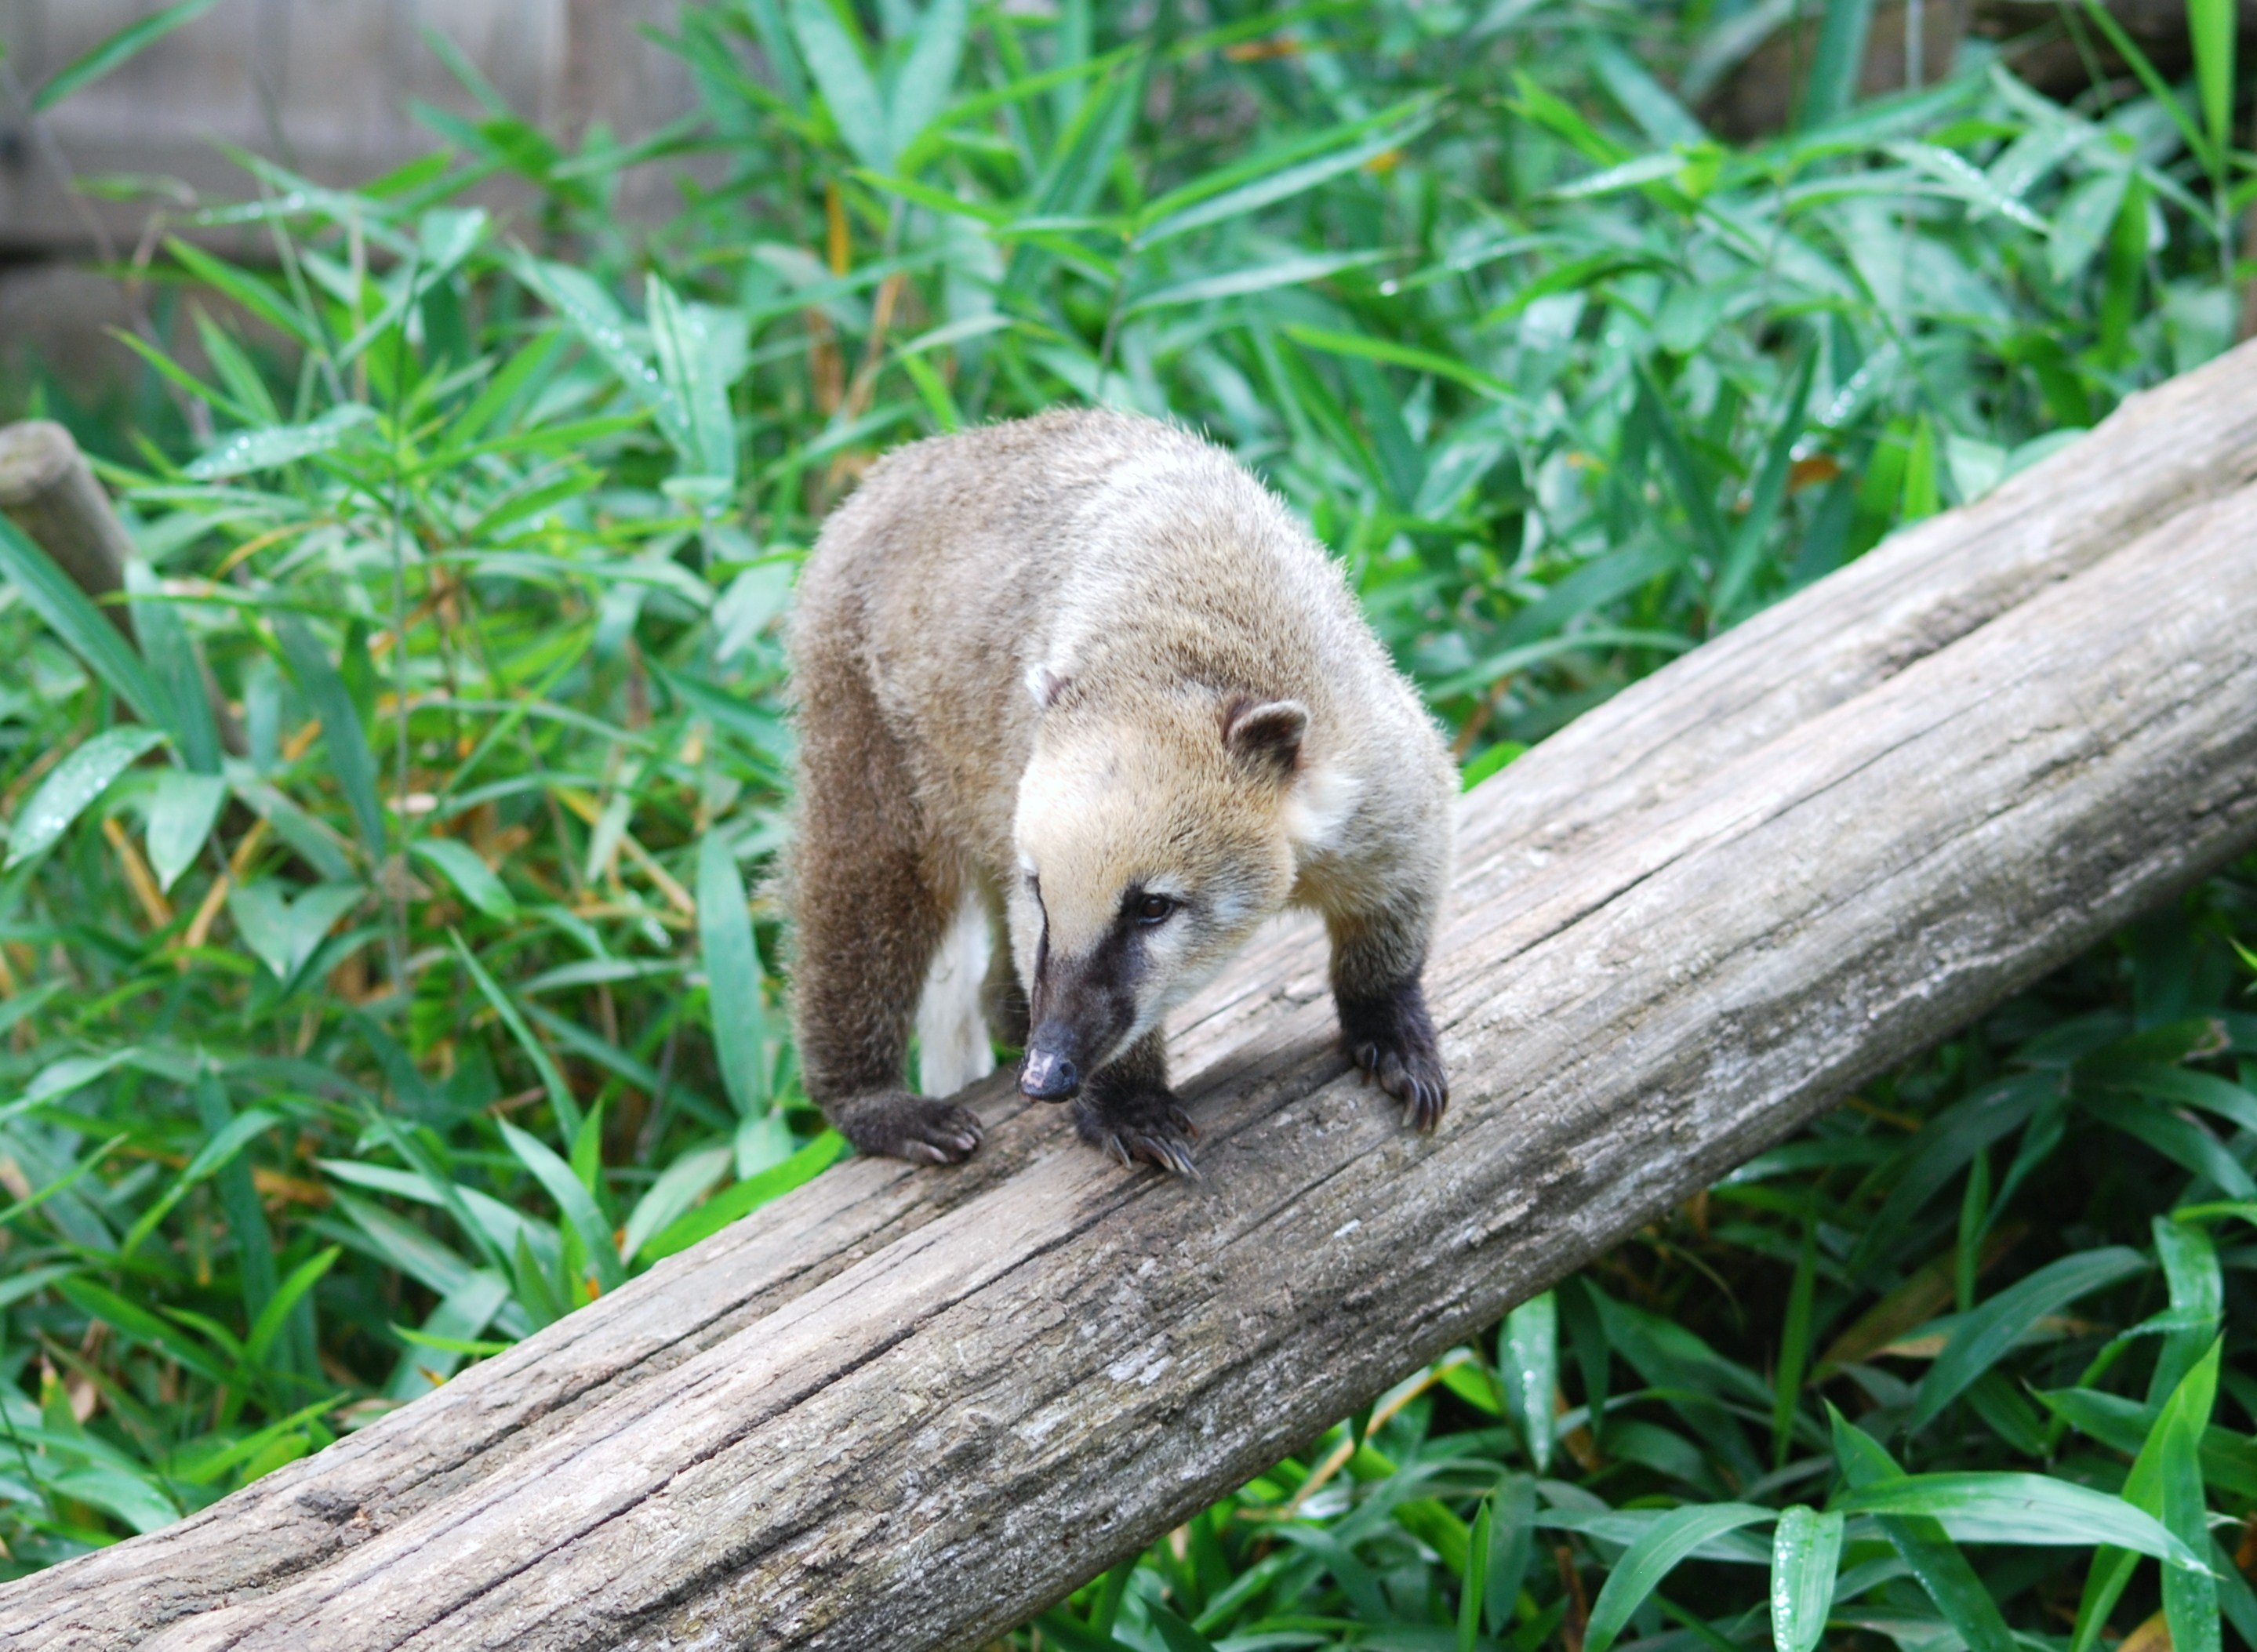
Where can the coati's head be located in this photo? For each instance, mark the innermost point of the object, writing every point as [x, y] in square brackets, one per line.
[1152, 842]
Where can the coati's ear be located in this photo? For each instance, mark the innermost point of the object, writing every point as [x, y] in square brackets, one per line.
[1268, 731]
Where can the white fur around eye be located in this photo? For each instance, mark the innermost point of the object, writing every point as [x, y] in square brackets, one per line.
[1319, 810]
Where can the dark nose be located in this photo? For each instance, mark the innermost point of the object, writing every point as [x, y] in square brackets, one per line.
[1047, 1075]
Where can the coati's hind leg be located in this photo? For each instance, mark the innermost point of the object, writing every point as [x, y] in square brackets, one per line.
[1127, 1110]
[872, 903]
[1384, 1025]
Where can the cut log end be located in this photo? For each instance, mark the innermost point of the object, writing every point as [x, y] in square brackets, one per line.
[36, 456]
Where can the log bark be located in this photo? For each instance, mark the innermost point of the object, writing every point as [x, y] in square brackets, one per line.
[908, 1409]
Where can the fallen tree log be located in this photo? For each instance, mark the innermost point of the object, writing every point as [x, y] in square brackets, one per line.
[902, 1407]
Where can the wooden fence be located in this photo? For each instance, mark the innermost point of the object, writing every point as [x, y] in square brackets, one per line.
[324, 86]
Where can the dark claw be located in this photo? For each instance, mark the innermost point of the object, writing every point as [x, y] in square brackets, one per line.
[1393, 1044]
[922, 1129]
[1148, 1128]
[1166, 1153]
[1422, 1109]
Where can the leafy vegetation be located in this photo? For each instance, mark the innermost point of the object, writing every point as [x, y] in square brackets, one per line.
[447, 1001]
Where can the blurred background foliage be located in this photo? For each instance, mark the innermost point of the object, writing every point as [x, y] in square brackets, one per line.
[335, 1061]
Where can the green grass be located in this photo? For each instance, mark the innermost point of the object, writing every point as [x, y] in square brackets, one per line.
[326, 1068]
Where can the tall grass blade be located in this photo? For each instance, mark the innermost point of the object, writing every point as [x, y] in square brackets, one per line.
[115, 51]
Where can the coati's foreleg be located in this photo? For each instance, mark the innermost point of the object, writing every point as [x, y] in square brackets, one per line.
[872, 903]
[1126, 1109]
[1377, 957]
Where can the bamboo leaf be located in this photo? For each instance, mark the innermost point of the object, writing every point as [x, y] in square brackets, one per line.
[2210, 25]
[746, 1195]
[1528, 1356]
[2190, 1595]
[244, 451]
[560, 1093]
[732, 973]
[277, 1310]
[463, 868]
[1985, 1334]
[579, 1205]
[1922, 1541]
[71, 787]
[217, 1151]
[927, 77]
[2021, 1508]
[1839, 66]
[1669, 1540]
[283, 931]
[460, 1316]
[1380, 350]
[834, 58]
[70, 614]
[1477, 1580]
[175, 667]
[1794, 1348]
[343, 737]
[1806, 1550]
[182, 812]
[682, 1184]
[115, 51]
[137, 1501]
[690, 363]
[2175, 1438]
[246, 289]
[1182, 211]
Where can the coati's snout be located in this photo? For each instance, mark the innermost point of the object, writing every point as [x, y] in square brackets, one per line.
[1047, 1074]
[1082, 1010]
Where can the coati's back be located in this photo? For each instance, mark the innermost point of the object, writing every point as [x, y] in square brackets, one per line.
[1118, 551]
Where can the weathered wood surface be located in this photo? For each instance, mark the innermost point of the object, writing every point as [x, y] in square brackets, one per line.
[904, 1408]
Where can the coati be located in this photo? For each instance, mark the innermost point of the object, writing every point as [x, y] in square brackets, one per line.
[1084, 676]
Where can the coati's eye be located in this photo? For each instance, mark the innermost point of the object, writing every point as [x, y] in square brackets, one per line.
[1152, 908]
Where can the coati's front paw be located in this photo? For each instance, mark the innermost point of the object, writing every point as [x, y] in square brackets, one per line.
[899, 1126]
[1392, 1038]
[1145, 1125]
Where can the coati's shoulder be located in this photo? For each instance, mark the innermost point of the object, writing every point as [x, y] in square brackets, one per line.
[959, 495]
[1045, 469]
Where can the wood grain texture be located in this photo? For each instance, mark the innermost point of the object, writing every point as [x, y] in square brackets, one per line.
[907, 1407]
